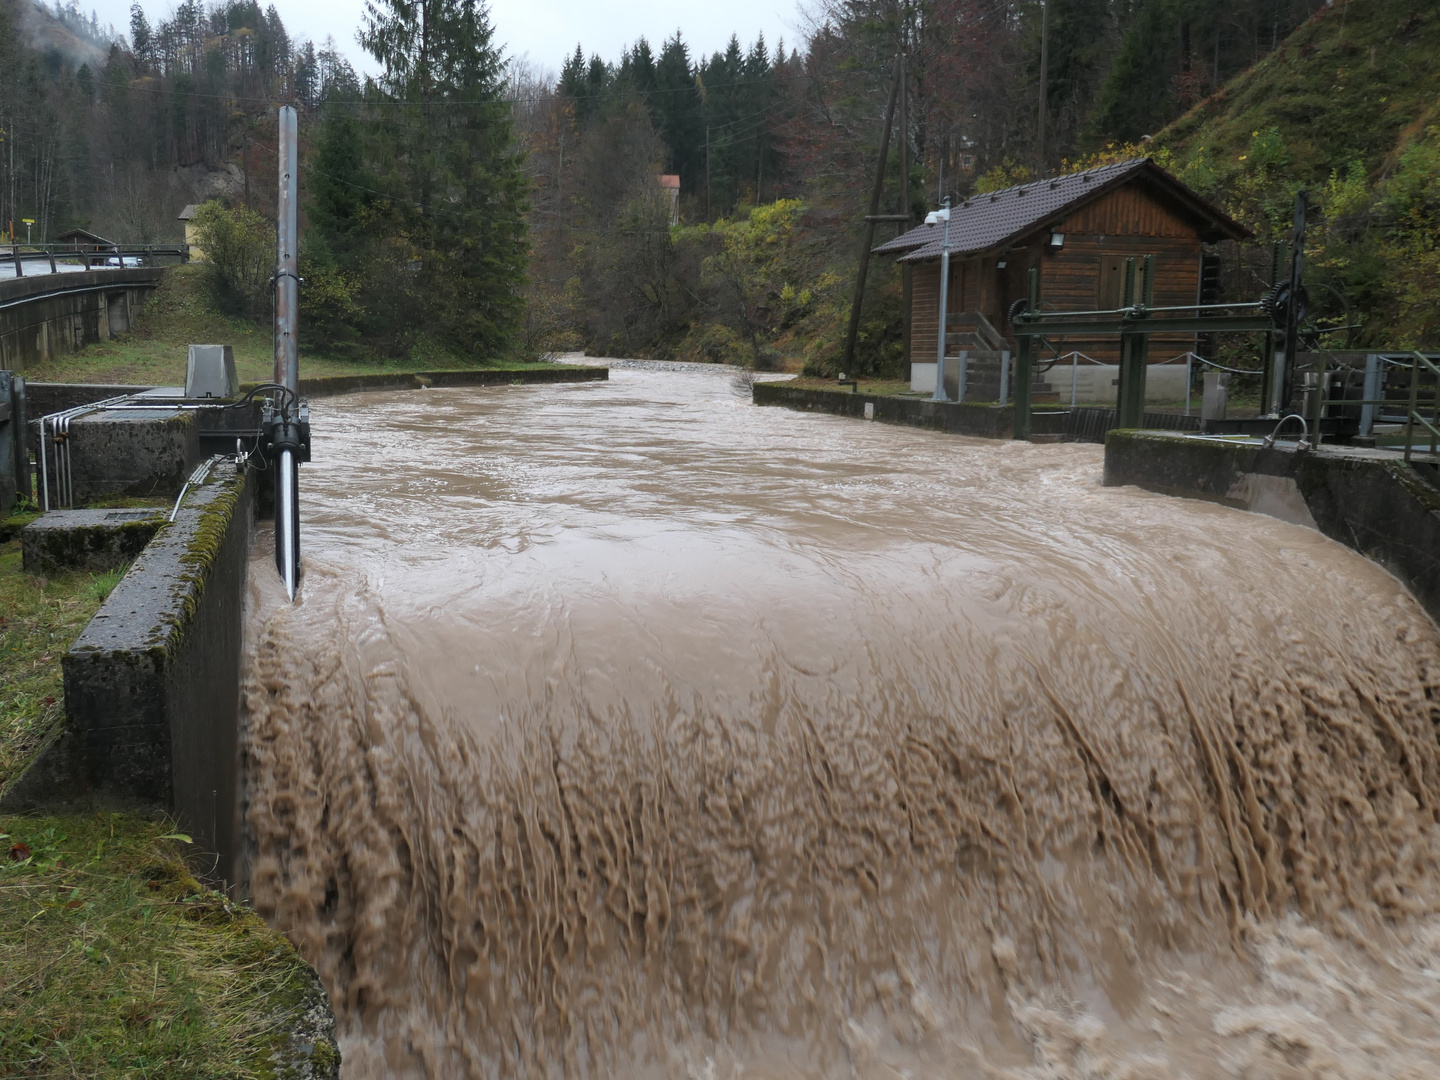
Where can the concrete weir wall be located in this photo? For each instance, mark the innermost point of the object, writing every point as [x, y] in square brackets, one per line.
[1370, 500]
[982, 421]
[50, 314]
[979, 420]
[152, 685]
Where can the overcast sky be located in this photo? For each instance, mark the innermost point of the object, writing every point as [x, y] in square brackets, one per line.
[546, 30]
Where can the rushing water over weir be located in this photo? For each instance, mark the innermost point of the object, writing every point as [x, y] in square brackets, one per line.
[627, 729]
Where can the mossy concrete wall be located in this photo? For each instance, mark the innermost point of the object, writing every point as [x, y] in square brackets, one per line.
[93, 540]
[1368, 499]
[134, 452]
[152, 685]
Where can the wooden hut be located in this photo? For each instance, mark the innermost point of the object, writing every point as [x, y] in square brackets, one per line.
[85, 241]
[1077, 230]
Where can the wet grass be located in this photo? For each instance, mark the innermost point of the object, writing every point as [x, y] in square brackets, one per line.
[39, 618]
[116, 962]
[873, 387]
[181, 313]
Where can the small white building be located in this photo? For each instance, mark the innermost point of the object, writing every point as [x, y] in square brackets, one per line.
[670, 184]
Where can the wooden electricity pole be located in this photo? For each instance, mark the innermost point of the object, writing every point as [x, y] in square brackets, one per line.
[847, 362]
[1044, 81]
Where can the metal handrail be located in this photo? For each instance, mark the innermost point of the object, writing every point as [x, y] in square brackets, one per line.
[1417, 358]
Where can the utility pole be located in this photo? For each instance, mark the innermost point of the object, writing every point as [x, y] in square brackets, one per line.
[943, 216]
[848, 358]
[1294, 303]
[1044, 80]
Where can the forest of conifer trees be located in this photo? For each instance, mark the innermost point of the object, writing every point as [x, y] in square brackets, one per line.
[519, 204]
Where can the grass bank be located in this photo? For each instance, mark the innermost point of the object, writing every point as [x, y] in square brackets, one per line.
[114, 960]
[180, 313]
[39, 618]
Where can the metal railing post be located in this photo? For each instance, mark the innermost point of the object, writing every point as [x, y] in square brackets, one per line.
[1024, 363]
[1414, 400]
[1368, 411]
[1004, 376]
[964, 375]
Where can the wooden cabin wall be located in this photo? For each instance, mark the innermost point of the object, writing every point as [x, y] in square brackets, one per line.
[1088, 272]
[924, 312]
[1085, 275]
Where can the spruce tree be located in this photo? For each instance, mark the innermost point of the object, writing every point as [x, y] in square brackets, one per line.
[443, 153]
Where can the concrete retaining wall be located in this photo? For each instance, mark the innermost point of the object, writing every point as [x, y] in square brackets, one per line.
[152, 685]
[51, 314]
[330, 385]
[981, 421]
[52, 397]
[1367, 499]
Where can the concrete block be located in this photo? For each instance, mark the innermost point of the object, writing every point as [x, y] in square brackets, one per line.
[93, 540]
[136, 451]
[1216, 398]
[210, 372]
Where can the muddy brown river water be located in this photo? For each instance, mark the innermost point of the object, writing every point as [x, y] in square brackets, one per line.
[629, 730]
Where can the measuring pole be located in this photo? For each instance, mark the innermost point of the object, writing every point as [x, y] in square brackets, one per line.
[287, 263]
[287, 357]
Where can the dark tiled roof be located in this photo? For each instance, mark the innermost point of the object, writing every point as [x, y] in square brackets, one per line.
[986, 221]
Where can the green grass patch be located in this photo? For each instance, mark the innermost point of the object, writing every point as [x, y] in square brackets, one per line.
[39, 618]
[181, 313]
[116, 962]
[871, 387]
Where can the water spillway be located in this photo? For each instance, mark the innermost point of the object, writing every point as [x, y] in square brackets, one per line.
[626, 729]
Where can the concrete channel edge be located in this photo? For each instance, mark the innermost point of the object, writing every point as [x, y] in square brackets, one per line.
[979, 420]
[1373, 503]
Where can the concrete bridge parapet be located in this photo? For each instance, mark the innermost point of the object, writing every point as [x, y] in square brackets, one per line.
[49, 315]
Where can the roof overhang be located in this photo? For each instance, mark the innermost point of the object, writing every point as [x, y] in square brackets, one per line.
[922, 243]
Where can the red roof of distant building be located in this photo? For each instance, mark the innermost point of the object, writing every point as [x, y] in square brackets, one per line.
[670, 180]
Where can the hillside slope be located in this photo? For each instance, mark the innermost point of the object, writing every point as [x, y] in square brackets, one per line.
[1347, 108]
[1357, 82]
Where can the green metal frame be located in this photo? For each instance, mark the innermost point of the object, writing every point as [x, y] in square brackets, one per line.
[1413, 417]
[1134, 325]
